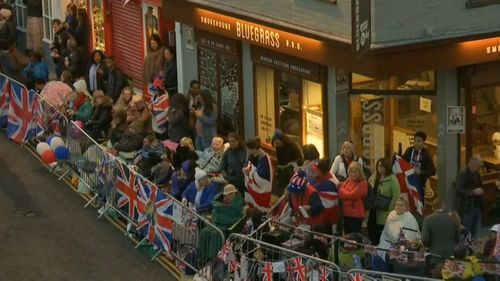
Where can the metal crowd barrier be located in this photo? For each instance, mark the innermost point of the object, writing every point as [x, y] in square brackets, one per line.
[256, 252]
[369, 275]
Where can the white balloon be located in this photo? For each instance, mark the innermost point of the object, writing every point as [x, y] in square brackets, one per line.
[55, 142]
[42, 147]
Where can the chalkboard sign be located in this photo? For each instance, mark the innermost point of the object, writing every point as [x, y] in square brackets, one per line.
[207, 69]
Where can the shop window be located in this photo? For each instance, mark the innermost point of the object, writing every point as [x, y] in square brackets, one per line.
[382, 126]
[97, 23]
[48, 33]
[298, 112]
[420, 82]
[219, 72]
[21, 14]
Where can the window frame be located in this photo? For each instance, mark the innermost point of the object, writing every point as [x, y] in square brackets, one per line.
[45, 17]
[21, 10]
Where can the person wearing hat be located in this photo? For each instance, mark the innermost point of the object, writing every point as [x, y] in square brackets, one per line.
[200, 193]
[82, 107]
[182, 178]
[228, 207]
[328, 193]
[304, 201]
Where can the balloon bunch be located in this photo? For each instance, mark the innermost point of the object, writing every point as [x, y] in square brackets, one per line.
[53, 150]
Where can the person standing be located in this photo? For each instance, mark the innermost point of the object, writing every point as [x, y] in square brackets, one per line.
[115, 80]
[34, 25]
[233, 162]
[343, 160]
[352, 193]
[154, 61]
[384, 183]
[469, 191]
[328, 193]
[194, 91]
[170, 70]
[178, 118]
[421, 160]
[206, 121]
[95, 73]
[441, 234]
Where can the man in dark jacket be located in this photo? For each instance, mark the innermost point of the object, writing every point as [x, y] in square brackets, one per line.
[441, 234]
[421, 159]
[115, 80]
[469, 191]
[34, 25]
[7, 29]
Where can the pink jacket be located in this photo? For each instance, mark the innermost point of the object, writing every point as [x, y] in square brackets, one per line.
[352, 193]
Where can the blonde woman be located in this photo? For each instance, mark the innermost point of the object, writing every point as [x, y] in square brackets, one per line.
[185, 151]
[352, 193]
[124, 100]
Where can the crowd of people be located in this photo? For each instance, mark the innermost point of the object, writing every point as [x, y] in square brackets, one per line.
[223, 175]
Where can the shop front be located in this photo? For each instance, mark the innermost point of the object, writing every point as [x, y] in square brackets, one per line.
[480, 96]
[219, 71]
[289, 95]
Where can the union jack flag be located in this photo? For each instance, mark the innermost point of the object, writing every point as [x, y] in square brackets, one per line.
[296, 269]
[357, 276]
[21, 126]
[160, 108]
[225, 252]
[4, 100]
[155, 215]
[324, 273]
[38, 117]
[267, 272]
[126, 188]
[408, 181]
[233, 265]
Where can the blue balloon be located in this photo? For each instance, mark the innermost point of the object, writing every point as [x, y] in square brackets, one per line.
[62, 153]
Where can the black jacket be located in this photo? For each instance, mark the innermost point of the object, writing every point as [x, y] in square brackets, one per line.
[100, 78]
[467, 181]
[76, 62]
[426, 165]
[115, 82]
[34, 8]
[129, 142]
[183, 153]
[7, 34]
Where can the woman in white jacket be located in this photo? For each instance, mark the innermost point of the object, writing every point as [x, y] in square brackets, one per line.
[399, 220]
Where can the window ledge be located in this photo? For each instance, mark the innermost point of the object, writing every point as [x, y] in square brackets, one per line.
[21, 29]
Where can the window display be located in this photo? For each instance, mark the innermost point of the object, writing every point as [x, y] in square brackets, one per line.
[98, 25]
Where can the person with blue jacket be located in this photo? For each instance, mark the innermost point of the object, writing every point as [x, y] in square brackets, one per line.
[201, 192]
[206, 120]
[36, 70]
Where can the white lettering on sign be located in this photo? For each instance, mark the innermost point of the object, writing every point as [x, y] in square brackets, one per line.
[373, 112]
[285, 65]
[493, 49]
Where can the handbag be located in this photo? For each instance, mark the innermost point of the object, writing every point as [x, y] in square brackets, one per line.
[375, 200]
[382, 202]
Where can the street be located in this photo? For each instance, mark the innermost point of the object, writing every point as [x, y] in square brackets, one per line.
[46, 234]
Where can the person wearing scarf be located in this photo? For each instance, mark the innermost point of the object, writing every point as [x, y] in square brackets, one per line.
[328, 193]
[399, 222]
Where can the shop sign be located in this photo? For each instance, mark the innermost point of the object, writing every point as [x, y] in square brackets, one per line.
[217, 42]
[455, 123]
[361, 25]
[493, 49]
[286, 63]
[371, 116]
[256, 34]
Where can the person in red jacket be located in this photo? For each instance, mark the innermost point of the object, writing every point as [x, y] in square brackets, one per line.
[352, 193]
[328, 193]
[305, 202]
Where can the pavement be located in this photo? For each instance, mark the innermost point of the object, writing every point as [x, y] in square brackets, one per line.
[46, 234]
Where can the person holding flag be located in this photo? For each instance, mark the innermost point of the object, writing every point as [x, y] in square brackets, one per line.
[258, 178]
[328, 193]
[421, 160]
[305, 202]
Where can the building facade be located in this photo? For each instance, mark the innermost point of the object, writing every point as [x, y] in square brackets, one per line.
[373, 72]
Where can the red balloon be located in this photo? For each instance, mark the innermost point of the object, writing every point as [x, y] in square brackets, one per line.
[49, 157]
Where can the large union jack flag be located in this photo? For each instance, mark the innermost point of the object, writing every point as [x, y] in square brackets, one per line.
[126, 188]
[155, 215]
[160, 107]
[296, 269]
[4, 100]
[21, 124]
[408, 181]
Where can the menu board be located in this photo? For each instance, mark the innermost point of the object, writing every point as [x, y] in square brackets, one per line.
[207, 69]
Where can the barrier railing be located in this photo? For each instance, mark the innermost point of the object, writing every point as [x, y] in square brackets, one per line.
[369, 275]
[252, 258]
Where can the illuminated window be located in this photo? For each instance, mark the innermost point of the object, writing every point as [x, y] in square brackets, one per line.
[48, 32]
